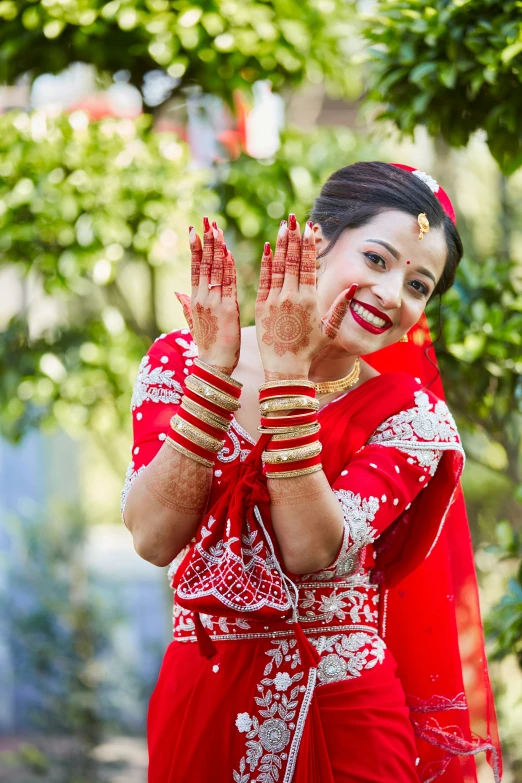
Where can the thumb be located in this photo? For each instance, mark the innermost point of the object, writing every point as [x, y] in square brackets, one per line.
[184, 301]
[334, 317]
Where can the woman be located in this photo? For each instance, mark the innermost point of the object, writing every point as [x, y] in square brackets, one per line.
[319, 611]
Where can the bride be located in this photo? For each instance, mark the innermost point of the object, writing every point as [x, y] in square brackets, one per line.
[326, 622]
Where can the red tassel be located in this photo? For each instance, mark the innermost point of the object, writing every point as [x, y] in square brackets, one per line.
[206, 645]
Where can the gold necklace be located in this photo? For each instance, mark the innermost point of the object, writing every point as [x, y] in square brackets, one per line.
[329, 387]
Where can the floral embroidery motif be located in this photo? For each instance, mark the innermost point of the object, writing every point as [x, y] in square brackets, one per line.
[227, 454]
[129, 478]
[429, 181]
[423, 431]
[190, 348]
[358, 604]
[156, 384]
[358, 513]
[348, 655]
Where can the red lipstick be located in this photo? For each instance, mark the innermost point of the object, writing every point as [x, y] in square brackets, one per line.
[373, 328]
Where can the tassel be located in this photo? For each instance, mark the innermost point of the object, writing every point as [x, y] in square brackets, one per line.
[207, 647]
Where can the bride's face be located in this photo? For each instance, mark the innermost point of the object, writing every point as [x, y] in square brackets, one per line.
[396, 274]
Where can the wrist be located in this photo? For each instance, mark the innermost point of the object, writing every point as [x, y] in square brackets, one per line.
[290, 374]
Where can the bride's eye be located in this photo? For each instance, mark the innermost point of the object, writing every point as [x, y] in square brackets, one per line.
[420, 287]
[376, 259]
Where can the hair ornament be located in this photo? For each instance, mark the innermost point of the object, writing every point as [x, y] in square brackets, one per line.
[424, 224]
[429, 181]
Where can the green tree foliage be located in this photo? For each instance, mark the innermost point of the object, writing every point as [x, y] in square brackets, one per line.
[452, 66]
[220, 45]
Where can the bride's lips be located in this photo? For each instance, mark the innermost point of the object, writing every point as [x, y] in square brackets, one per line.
[373, 328]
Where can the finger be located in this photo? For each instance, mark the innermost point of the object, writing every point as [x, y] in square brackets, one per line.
[228, 288]
[207, 257]
[307, 272]
[216, 273]
[278, 262]
[265, 276]
[184, 301]
[333, 319]
[293, 255]
[196, 252]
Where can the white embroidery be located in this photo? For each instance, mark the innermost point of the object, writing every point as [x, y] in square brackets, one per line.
[227, 454]
[348, 655]
[155, 384]
[243, 722]
[423, 432]
[358, 513]
[129, 478]
[190, 348]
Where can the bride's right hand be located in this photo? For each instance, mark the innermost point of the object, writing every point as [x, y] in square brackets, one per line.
[212, 312]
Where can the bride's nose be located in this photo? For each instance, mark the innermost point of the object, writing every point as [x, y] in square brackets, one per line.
[389, 293]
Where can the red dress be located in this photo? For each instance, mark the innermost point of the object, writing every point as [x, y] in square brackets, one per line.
[257, 710]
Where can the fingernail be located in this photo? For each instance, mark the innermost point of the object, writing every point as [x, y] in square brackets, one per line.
[283, 228]
[225, 249]
[192, 235]
[292, 222]
[215, 232]
[309, 223]
[308, 231]
[206, 224]
[214, 224]
[282, 223]
[351, 292]
[267, 248]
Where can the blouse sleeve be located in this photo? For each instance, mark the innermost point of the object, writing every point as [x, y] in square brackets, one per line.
[156, 397]
[383, 479]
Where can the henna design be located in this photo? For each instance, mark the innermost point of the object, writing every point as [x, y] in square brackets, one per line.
[196, 253]
[293, 252]
[278, 262]
[178, 482]
[228, 286]
[216, 277]
[333, 324]
[206, 326]
[208, 254]
[184, 301]
[308, 258]
[300, 489]
[287, 327]
[265, 276]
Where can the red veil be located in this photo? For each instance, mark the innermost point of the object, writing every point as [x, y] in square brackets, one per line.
[443, 665]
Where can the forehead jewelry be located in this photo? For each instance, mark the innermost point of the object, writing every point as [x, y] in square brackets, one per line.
[424, 224]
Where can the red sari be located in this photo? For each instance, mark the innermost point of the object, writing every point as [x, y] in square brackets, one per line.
[376, 691]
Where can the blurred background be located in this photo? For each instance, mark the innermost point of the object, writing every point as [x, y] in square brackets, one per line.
[121, 123]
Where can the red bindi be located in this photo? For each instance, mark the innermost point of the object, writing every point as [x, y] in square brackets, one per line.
[408, 262]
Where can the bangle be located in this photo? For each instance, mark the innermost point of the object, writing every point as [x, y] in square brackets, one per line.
[295, 419]
[292, 440]
[292, 455]
[200, 412]
[212, 393]
[216, 381]
[185, 416]
[218, 373]
[289, 403]
[294, 473]
[270, 394]
[196, 435]
[209, 406]
[287, 382]
[188, 453]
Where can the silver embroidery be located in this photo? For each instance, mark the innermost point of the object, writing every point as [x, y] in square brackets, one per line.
[358, 513]
[348, 655]
[423, 432]
[155, 384]
[129, 478]
[190, 348]
[226, 454]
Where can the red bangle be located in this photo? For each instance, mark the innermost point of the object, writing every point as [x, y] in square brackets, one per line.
[277, 445]
[285, 468]
[289, 421]
[219, 383]
[191, 446]
[210, 406]
[277, 391]
[201, 425]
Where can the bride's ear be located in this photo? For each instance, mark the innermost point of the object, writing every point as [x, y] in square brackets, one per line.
[320, 242]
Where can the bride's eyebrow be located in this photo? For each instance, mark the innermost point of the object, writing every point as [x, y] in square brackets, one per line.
[388, 247]
[423, 271]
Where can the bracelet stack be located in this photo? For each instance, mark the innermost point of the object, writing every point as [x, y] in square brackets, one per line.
[203, 419]
[294, 449]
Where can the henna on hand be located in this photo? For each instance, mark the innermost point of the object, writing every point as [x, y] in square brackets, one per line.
[307, 274]
[292, 491]
[287, 327]
[178, 482]
[206, 326]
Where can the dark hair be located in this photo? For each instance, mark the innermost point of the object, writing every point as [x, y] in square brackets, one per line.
[356, 194]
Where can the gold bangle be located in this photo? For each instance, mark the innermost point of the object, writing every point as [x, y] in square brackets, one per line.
[188, 453]
[218, 373]
[196, 435]
[209, 392]
[295, 473]
[294, 432]
[209, 417]
[292, 455]
[300, 429]
[297, 402]
[287, 382]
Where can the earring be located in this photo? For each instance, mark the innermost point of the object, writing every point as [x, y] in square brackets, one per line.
[404, 339]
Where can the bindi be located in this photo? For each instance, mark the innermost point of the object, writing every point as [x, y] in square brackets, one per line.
[408, 262]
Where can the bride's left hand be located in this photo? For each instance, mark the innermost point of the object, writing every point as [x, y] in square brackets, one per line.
[290, 329]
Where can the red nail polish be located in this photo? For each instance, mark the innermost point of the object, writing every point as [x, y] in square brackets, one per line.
[267, 248]
[282, 223]
[206, 224]
[310, 224]
[292, 222]
[351, 292]
[190, 228]
[225, 249]
[215, 224]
